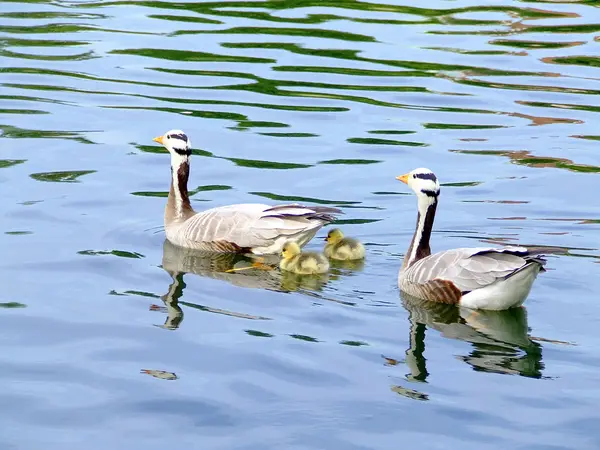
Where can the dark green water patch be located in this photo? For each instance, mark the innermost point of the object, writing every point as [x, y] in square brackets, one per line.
[374, 141]
[355, 221]
[185, 19]
[26, 56]
[188, 55]
[532, 45]
[590, 108]
[354, 343]
[353, 55]
[350, 161]
[304, 337]
[462, 184]
[589, 138]
[260, 164]
[10, 162]
[22, 111]
[290, 135]
[14, 42]
[293, 198]
[282, 31]
[12, 305]
[391, 132]
[261, 124]
[61, 28]
[588, 61]
[526, 159]
[119, 253]
[257, 333]
[15, 132]
[456, 126]
[191, 193]
[61, 177]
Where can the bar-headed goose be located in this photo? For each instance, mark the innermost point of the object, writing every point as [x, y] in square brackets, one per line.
[244, 228]
[485, 278]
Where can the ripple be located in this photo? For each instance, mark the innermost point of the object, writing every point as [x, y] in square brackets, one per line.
[318, 101]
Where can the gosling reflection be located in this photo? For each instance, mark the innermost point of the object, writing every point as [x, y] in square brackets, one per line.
[238, 270]
[500, 339]
[178, 261]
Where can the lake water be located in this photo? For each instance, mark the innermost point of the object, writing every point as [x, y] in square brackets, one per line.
[112, 338]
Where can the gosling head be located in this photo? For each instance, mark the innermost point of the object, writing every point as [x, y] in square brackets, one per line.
[334, 236]
[290, 249]
[424, 183]
[177, 143]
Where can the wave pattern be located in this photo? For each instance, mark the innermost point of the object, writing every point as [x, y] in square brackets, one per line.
[316, 101]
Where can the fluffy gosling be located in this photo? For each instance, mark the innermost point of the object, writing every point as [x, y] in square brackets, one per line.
[309, 263]
[343, 248]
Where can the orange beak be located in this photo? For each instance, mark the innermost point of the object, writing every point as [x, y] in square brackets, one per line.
[403, 178]
[158, 139]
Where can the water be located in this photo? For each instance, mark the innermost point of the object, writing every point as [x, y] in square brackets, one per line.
[112, 338]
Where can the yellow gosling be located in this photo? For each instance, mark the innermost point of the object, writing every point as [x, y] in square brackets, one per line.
[343, 248]
[309, 263]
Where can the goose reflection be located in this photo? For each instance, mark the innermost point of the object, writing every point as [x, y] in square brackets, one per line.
[500, 339]
[219, 266]
[178, 261]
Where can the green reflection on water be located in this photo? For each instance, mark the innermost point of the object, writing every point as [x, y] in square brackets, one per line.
[10, 162]
[188, 55]
[119, 253]
[61, 177]
[294, 198]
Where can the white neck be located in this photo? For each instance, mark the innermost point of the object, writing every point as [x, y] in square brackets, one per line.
[180, 202]
[417, 246]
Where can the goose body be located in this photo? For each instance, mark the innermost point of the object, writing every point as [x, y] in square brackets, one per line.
[480, 278]
[343, 248]
[243, 228]
[309, 263]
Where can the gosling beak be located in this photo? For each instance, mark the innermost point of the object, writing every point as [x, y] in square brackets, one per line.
[158, 139]
[403, 178]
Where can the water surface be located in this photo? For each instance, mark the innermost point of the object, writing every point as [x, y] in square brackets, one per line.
[114, 338]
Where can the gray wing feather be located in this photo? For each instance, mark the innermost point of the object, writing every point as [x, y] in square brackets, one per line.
[469, 268]
[255, 225]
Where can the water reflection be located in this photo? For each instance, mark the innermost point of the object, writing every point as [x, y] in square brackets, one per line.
[235, 269]
[500, 339]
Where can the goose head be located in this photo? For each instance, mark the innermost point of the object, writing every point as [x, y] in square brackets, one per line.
[177, 143]
[424, 183]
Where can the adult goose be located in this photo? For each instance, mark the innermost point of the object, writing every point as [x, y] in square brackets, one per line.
[243, 228]
[480, 278]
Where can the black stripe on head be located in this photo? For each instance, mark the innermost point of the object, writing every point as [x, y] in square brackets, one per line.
[430, 193]
[426, 176]
[183, 151]
[181, 137]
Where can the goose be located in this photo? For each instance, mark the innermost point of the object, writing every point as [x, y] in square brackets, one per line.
[252, 228]
[477, 278]
[308, 263]
[342, 248]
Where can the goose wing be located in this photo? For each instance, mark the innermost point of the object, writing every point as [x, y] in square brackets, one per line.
[252, 225]
[470, 268]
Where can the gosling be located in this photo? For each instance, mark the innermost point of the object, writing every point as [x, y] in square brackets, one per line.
[343, 248]
[309, 263]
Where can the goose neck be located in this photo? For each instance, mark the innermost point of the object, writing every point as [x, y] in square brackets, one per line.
[419, 246]
[178, 204]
